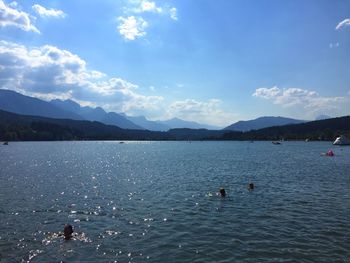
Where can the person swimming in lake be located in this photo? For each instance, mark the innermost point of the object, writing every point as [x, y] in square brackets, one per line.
[222, 192]
[251, 186]
[68, 234]
[68, 231]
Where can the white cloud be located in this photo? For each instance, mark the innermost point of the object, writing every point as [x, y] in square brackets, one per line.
[173, 13]
[50, 72]
[203, 112]
[146, 6]
[10, 16]
[46, 68]
[142, 6]
[51, 96]
[44, 12]
[344, 23]
[299, 98]
[132, 27]
[266, 93]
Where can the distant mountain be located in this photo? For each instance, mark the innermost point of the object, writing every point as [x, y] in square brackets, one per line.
[322, 117]
[67, 109]
[262, 122]
[147, 124]
[177, 123]
[92, 114]
[17, 103]
[96, 114]
[15, 127]
[166, 125]
[327, 130]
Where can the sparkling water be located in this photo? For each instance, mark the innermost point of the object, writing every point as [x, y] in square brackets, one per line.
[158, 202]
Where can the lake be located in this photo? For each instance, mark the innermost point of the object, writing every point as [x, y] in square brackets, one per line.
[158, 202]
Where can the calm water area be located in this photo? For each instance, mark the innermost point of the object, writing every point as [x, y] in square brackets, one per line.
[158, 202]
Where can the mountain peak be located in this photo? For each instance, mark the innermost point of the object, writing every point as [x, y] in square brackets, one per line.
[21, 104]
[262, 122]
[66, 104]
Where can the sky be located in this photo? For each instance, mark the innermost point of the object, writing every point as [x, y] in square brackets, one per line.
[209, 61]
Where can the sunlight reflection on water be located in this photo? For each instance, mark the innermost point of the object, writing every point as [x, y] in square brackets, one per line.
[158, 202]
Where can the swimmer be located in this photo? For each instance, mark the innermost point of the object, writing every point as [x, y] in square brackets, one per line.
[68, 231]
[250, 186]
[222, 192]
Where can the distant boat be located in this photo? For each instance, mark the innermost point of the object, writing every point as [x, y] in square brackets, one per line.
[6, 143]
[341, 140]
[276, 142]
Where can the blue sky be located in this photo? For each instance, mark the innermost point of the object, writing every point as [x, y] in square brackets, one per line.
[214, 62]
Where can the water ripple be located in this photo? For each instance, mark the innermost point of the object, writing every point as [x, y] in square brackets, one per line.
[158, 202]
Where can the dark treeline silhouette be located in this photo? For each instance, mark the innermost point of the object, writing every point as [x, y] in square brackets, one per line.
[14, 127]
[327, 130]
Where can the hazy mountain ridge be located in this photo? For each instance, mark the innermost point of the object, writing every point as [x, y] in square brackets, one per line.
[147, 124]
[68, 109]
[261, 122]
[15, 127]
[176, 123]
[96, 114]
[17, 103]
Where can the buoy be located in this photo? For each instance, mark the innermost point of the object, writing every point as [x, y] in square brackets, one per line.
[330, 153]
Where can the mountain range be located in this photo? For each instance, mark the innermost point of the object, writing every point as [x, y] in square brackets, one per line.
[12, 101]
[260, 123]
[17, 103]
[15, 127]
[96, 114]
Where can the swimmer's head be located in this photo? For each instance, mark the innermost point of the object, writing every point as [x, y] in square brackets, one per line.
[68, 231]
[251, 186]
[222, 192]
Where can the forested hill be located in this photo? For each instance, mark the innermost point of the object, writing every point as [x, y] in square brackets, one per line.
[34, 128]
[327, 129]
[14, 127]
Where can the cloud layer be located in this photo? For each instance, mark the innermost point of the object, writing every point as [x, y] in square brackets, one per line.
[44, 12]
[10, 17]
[132, 25]
[49, 71]
[299, 98]
[202, 112]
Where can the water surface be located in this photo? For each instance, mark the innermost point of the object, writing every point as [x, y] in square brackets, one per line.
[157, 202]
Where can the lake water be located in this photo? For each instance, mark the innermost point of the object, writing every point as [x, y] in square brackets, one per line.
[157, 202]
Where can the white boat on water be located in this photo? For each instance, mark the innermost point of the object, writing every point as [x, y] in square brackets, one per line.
[341, 140]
